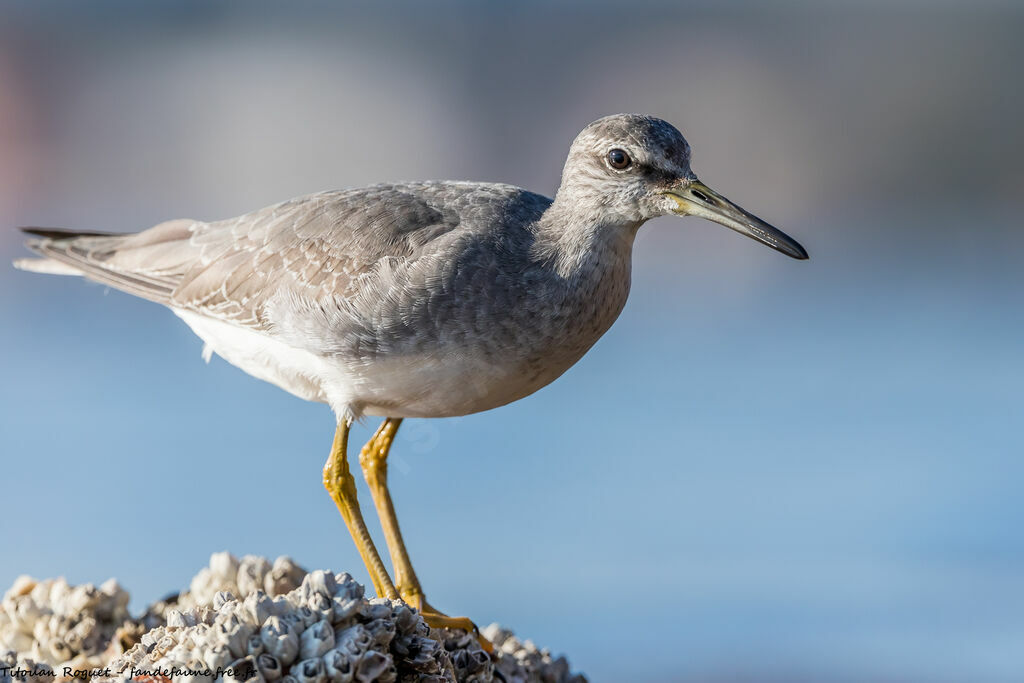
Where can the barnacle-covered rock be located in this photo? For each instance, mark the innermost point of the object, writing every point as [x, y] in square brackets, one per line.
[253, 621]
[522, 662]
[56, 625]
[228, 575]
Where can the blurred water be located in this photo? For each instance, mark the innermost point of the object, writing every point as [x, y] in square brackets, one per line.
[767, 470]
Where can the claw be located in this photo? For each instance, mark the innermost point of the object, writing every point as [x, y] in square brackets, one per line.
[436, 619]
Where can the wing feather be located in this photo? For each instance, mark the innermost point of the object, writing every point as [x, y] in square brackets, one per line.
[312, 269]
[316, 246]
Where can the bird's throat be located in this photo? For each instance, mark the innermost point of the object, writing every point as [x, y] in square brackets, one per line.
[577, 243]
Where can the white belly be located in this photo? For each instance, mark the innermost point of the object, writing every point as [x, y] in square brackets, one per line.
[424, 385]
[434, 386]
[294, 370]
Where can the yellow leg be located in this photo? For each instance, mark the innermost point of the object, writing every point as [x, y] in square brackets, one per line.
[341, 485]
[374, 459]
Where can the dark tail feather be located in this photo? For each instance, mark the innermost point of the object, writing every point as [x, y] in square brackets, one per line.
[63, 234]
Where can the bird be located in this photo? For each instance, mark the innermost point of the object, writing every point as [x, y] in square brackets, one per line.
[413, 300]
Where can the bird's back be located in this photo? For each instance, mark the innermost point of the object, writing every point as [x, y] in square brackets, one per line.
[322, 245]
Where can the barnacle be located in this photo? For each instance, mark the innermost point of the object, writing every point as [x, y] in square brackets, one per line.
[255, 621]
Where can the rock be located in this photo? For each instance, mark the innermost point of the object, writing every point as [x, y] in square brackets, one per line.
[256, 621]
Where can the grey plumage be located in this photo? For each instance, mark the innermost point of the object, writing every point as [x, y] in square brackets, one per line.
[429, 299]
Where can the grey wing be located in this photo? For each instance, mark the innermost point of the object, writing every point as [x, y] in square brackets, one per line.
[313, 247]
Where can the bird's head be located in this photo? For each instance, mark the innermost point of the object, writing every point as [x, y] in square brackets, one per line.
[635, 168]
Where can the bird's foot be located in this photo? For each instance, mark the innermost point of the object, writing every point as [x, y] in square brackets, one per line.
[437, 619]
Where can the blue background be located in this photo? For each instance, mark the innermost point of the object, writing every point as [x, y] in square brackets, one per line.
[766, 471]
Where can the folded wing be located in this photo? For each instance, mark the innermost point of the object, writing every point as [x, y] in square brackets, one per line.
[316, 246]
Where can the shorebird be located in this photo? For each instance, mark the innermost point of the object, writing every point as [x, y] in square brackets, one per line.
[428, 299]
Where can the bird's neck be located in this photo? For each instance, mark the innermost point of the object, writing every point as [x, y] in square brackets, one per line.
[587, 262]
[575, 241]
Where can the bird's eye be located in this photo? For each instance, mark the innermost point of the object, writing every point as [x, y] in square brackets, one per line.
[618, 159]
